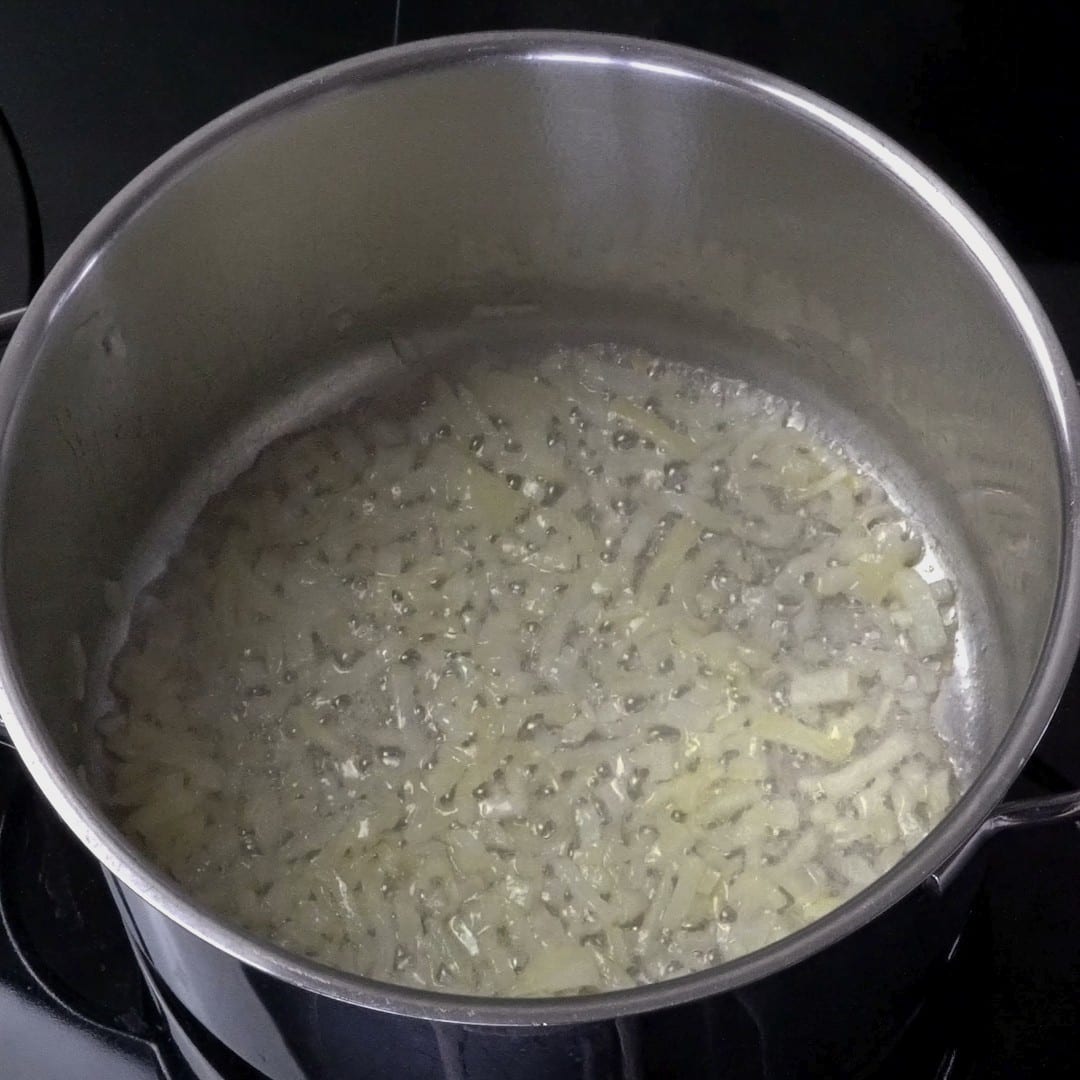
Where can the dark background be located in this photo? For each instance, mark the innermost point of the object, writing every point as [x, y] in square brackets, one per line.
[987, 93]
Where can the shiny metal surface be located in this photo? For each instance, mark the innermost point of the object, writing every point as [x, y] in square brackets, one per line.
[836, 1013]
[576, 180]
[8, 321]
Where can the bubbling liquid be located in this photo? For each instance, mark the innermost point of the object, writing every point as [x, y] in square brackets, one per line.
[574, 677]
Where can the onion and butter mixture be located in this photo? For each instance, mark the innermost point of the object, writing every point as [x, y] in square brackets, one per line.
[568, 677]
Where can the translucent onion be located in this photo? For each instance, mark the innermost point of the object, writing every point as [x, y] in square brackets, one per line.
[576, 677]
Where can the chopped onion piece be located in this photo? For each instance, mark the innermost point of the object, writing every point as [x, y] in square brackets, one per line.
[829, 686]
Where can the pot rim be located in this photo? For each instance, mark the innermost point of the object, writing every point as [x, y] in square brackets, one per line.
[122, 859]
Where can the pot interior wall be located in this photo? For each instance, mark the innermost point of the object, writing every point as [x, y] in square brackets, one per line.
[372, 226]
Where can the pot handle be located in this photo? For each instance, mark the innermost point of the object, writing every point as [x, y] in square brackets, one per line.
[8, 321]
[1016, 814]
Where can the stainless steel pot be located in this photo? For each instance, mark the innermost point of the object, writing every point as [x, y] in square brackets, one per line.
[523, 186]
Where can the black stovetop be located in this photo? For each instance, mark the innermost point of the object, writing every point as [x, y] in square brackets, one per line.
[93, 90]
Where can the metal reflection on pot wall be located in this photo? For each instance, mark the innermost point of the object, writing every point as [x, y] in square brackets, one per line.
[867, 989]
[669, 198]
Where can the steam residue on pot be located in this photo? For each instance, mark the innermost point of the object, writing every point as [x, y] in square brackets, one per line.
[574, 677]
